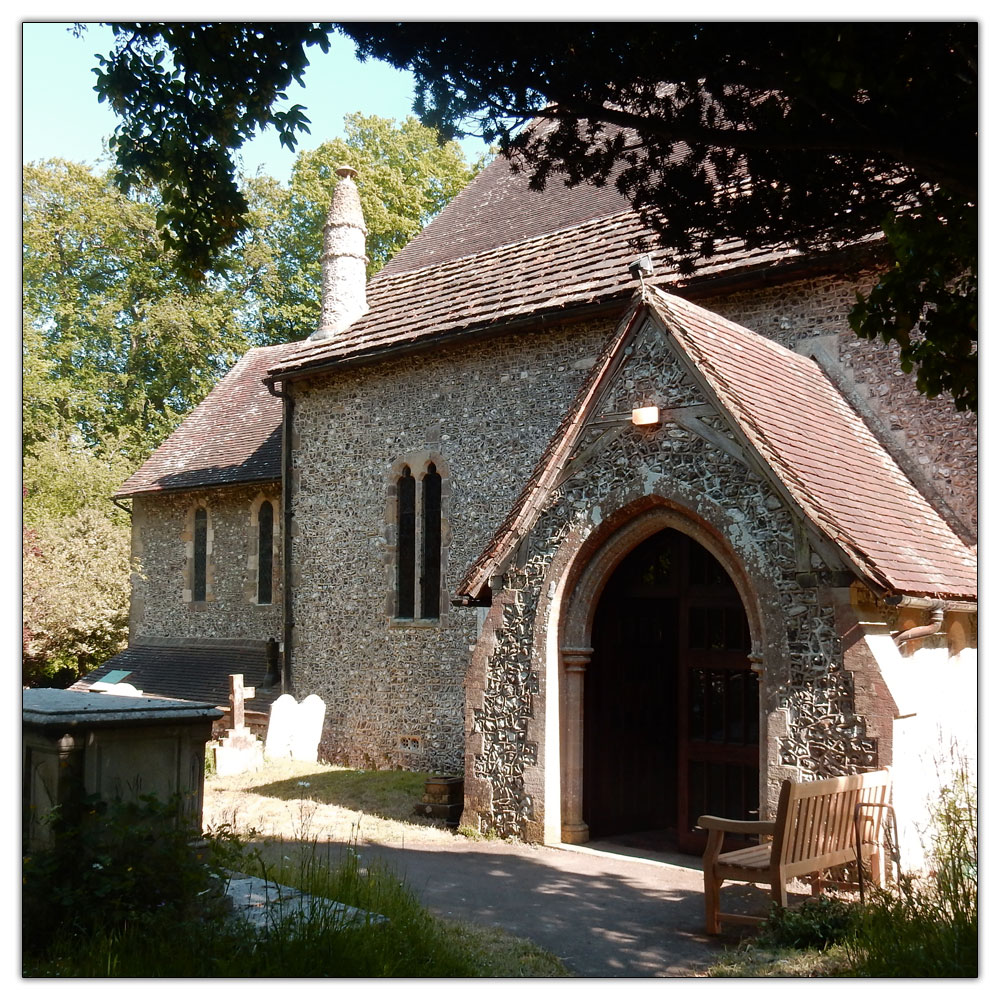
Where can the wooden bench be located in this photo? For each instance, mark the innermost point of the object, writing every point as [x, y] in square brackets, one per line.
[814, 830]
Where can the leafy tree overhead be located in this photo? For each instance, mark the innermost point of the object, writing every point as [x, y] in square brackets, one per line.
[801, 135]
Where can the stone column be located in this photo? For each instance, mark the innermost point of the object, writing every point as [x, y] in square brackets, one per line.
[574, 830]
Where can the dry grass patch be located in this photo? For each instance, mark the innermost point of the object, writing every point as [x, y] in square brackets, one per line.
[294, 801]
[757, 962]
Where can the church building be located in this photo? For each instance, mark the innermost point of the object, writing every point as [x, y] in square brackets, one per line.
[621, 546]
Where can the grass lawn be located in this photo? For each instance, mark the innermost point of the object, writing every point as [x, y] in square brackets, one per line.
[289, 800]
[286, 815]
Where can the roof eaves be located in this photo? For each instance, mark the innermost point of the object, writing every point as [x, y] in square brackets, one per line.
[201, 484]
[488, 328]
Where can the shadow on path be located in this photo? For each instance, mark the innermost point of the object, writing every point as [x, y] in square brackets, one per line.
[603, 914]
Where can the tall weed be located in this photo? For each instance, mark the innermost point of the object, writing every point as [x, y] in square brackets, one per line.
[929, 925]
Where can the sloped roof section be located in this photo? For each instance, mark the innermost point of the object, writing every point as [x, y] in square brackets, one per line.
[232, 436]
[537, 278]
[829, 461]
[816, 447]
[496, 208]
[192, 670]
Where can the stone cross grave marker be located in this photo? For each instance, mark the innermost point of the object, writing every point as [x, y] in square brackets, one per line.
[238, 695]
[240, 751]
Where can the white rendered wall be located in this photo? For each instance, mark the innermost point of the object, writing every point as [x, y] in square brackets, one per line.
[936, 729]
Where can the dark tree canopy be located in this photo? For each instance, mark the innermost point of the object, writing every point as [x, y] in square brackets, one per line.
[801, 135]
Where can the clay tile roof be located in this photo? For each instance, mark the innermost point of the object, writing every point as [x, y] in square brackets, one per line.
[497, 208]
[586, 264]
[815, 445]
[824, 454]
[192, 670]
[232, 436]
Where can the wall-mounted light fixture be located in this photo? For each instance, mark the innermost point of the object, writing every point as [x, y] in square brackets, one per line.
[646, 416]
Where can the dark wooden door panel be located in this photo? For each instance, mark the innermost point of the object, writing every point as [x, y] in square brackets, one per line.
[670, 704]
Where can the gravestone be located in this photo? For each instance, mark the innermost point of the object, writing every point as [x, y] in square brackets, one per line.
[308, 728]
[294, 729]
[281, 728]
[240, 751]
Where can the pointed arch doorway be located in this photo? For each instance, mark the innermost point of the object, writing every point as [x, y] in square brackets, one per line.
[670, 706]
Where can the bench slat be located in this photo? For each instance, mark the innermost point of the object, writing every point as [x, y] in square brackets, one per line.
[813, 831]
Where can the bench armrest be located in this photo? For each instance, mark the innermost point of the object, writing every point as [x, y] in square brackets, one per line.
[746, 826]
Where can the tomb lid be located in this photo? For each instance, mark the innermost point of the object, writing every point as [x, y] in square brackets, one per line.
[52, 707]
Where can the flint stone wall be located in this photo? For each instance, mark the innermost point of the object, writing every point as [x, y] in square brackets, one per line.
[485, 410]
[807, 696]
[161, 544]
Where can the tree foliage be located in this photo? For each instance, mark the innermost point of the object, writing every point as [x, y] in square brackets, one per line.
[119, 342]
[799, 135]
[75, 563]
[184, 114]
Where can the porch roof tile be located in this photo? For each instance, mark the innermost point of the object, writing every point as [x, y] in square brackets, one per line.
[816, 446]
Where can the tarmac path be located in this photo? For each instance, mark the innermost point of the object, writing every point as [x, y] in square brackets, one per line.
[603, 914]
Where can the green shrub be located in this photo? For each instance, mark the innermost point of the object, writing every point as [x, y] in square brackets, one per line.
[819, 922]
[120, 863]
[929, 927]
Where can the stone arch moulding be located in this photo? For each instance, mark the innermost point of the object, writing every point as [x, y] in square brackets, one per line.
[562, 646]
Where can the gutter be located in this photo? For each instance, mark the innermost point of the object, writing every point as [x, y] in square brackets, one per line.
[931, 603]
[287, 622]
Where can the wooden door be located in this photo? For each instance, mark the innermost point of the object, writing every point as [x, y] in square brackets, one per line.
[719, 744]
[670, 704]
[630, 692]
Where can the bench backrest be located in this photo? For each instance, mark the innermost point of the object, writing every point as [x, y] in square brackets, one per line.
[814, 825]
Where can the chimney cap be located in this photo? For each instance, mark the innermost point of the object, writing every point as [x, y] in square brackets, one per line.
[346, 171]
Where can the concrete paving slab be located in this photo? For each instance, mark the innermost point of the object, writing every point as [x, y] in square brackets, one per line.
[263, 903]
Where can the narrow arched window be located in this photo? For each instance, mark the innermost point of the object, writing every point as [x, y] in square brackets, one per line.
[200, 576]
[265, 551]
[430, 555]
[406, 527]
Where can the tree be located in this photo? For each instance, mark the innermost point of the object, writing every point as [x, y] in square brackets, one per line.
[75, 561]
[118, 344]
[801, 135]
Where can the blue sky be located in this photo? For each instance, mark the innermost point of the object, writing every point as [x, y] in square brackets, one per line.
[61, 116]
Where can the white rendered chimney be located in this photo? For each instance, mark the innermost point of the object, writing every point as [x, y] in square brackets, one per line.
[343, 259]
